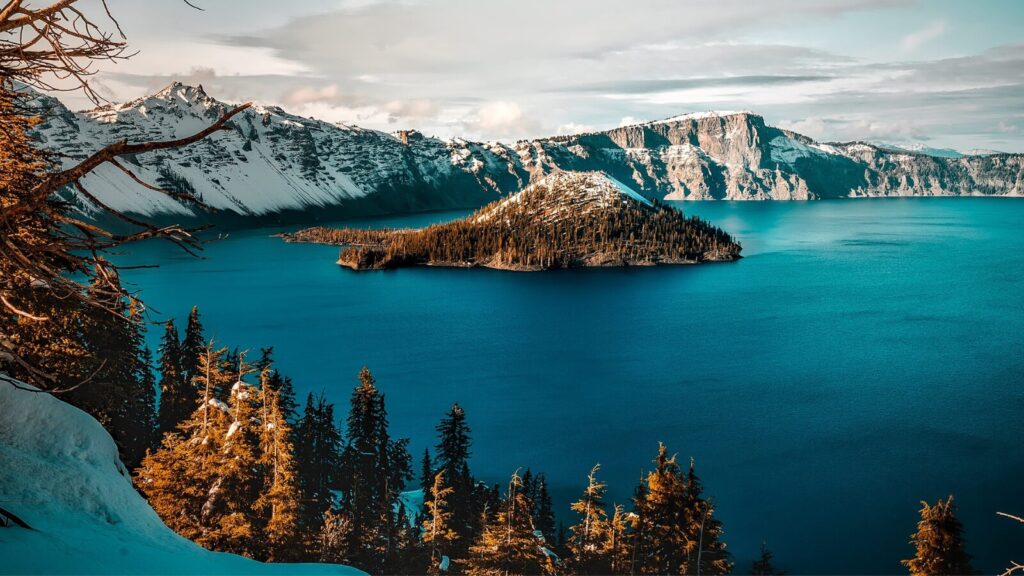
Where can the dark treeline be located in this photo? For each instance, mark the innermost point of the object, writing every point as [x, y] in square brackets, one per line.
[229, 460]
[540, 228]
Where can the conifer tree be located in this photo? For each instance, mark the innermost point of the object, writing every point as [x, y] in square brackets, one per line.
[939, 542]
[618, 541]
[177, 396]
[712, 557]
[146, 403]
[675, 528]
[279, 383]
[178, 478]
[544, 515]
[453, 452]
[318, 454]
[281, 496]
[764, 566]
[236, 522]
[374, 470]
[115, 395]
[437, 531]
[426, 475]
[192, 346]
[508, 545]
[589, 543]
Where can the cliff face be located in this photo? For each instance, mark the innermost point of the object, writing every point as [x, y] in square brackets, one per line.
[275, 163]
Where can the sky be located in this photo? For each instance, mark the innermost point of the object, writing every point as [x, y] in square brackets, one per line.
[942, 73]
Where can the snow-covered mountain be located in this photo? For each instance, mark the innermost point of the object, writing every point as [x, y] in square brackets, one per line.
[60, 475]
[274, 164]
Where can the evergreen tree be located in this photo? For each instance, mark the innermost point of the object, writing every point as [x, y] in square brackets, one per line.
[239, 483]
[177, 396]
[374, 470]
[939, 542]
[763, 566]
[114, 393]
[279, 383]
[426, 476]
[281, 492]
[544, 515]
[590, 541]
[437, 531]
[146, 403]
[318, 454]
[618, 545]
[712, 557]
[192, 346]
[508, 545]
[178, 478]
[453, 451]
[675, 528]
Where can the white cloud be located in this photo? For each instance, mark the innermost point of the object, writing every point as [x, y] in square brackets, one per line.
[915, 40]
[574, 128]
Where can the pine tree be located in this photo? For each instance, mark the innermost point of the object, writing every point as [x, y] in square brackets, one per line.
[236, 525]
[437, 531]
[939, 542]
[178, 478]
[177, 396]
[675, 531]
[508, 545]
[426, 476]
[374, 470]
[589, 543]
[544, 516]
[279, 383]
[114, 394]
[763, 566]
[146, 403]
[712, 557]
[192, 346]
[281, 496]
[453, 452]
[318, 455]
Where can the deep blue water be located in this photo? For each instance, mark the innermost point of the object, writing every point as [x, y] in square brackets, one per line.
[865, 355]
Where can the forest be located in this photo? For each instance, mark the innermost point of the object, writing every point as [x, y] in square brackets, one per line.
[545, 226]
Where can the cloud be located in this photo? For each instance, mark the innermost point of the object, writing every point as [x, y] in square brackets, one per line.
[501, 118]
[304, 95]
[923, 36]
[663, 85]
[573, 128]
[550, 67]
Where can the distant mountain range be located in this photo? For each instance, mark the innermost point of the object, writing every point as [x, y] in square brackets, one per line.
[275, 166]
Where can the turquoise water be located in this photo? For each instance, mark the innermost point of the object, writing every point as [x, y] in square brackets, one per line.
[864, 355]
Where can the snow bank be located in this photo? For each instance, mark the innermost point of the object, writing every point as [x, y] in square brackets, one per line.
[60, 473]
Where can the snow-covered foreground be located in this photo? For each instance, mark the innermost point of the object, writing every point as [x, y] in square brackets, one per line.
[60, 474]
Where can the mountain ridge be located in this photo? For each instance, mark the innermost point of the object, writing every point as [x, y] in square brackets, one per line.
[274, 163]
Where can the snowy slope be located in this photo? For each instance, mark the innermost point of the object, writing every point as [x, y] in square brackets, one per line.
[60, 473]
[275, 163]
[271, 161]
[565, 194]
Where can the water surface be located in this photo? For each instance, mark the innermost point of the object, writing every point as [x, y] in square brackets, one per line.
[863, 356]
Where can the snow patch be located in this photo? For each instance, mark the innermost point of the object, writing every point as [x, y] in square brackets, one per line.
[60, 473]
